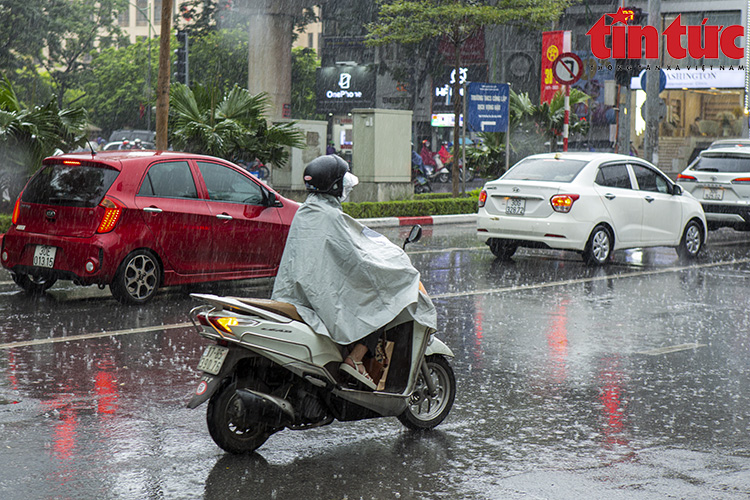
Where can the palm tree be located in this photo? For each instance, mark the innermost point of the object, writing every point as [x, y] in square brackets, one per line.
[550, 117]
[232, 126]
[27, 136]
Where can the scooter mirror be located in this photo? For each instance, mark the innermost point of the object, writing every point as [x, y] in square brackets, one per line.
[414, 235]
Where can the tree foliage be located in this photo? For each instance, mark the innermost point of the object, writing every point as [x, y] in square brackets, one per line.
[117, 94]
[28, 135]
[228, 125]
[74, 29]
[413, 21]
[304, 64]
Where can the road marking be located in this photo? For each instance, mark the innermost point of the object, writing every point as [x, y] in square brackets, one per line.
[88, 336]
[670, 349]
[552, 284]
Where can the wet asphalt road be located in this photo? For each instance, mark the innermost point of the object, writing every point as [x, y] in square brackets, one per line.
[629, 381]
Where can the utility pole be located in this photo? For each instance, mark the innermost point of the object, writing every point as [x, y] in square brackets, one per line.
[162, 82]
[651, 136]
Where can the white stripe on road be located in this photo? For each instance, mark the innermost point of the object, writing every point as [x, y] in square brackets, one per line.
[552, 284]
[670, 349]
[98, 335]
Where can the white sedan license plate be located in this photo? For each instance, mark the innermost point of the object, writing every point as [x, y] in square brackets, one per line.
[44, 256]
[713, 194]
[515, 206]
[212, 359]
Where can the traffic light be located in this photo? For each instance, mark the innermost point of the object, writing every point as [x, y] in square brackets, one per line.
[625, 69]
[181, 73]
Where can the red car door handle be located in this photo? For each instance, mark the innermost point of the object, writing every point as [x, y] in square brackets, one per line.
[224, 217]
[153, 210]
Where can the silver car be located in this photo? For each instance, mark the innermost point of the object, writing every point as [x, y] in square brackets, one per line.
[720, 179]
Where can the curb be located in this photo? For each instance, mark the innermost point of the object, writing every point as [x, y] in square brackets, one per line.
[426, 220]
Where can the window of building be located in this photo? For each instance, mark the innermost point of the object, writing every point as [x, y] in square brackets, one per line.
[141, 15]
[124, 18]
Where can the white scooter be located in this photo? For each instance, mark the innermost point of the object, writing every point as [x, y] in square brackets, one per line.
[267, 370]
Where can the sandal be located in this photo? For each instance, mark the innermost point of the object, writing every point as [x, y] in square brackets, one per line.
[354, 372]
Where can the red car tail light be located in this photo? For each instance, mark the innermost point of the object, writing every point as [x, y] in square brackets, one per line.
[111, 215]
[563, 202]
[482, 198]
[16, 211]
[741, 180]
[682, 177]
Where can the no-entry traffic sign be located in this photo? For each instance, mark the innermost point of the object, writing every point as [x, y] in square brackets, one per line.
[567, 68]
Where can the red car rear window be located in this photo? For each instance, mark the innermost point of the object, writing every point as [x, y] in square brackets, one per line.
[69, 185]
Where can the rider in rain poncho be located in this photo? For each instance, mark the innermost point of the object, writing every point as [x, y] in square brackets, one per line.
[346, 280]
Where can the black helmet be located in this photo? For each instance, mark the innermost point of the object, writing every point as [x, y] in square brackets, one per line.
[325, 174]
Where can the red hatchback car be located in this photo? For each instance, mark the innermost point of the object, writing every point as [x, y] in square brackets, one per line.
[138, 220]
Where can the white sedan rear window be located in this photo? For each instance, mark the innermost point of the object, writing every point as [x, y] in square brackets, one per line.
[545, 169]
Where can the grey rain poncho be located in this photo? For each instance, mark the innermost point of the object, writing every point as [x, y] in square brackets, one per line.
[345, 279]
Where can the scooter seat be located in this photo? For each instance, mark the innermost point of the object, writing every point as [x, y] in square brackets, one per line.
[283, 308]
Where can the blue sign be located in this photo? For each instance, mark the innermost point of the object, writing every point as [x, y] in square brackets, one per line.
[487, 107]
[662, 80]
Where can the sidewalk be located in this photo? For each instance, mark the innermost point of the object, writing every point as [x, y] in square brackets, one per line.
[424, 220]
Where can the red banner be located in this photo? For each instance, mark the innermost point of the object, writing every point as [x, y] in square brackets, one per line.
[554, 43]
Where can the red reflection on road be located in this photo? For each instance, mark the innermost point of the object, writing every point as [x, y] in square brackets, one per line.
[478, 351]
[611, 378]
[557, 340]
[105, 386]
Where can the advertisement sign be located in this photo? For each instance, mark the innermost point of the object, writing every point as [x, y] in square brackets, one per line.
[339, 89]
[696, 78]
[554, 43]
[442, 92]
[487, 107]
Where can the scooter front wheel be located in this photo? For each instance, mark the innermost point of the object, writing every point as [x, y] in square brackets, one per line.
[426, 410]
[229, 424]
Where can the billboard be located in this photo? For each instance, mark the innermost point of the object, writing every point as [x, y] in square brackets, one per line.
[339, 89]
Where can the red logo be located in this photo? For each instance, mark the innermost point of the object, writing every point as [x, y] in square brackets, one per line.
[634, 42]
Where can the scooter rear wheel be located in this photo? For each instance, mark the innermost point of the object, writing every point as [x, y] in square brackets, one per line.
[426, 411]
[228, 424]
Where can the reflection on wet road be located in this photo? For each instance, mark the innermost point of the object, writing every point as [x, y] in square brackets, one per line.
[628, 381]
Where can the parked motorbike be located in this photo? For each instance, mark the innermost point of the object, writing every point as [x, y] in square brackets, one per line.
[418, 175]
[266, 370]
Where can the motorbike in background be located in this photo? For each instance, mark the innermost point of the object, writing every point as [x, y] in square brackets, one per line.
[266, 370]
[418, 175]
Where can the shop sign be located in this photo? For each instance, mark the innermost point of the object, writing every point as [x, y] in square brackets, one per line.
[633, 42]
[699, 78]
[446, 120]
[339, 89]
[442, 92]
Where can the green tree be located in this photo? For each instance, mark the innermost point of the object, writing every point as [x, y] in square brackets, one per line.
[117, 94]
[28, 135]
[218, 58]
[304, 64]
[412, 21]
[232, 125]
[75, 28]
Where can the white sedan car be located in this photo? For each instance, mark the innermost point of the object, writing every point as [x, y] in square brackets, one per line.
[593, 203]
